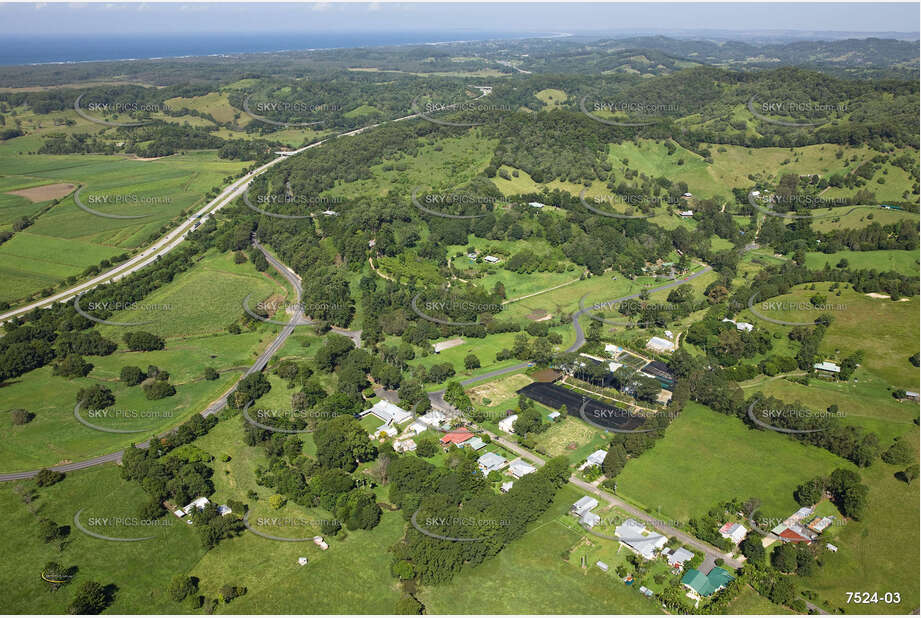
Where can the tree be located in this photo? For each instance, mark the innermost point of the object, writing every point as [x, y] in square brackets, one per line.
[90, 598]
[158, 390]
[752, 548]
[899, 454]
[182, 586]
[910, 473]
[810, 492]
[359, 510]
[46, 477]
[132, 376]
[614, 461]
[20, 416]
[250, 388]
[783, 558]
[211, 373]
[142, 341]
[426, 445]
[277, 501]
[95, 397]
[342, 442]
[528, 421]
[73, 366]
[408, 605]
[471, 362]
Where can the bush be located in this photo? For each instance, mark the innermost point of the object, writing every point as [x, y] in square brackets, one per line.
[181, 586]
[211, 373]
[20, 416]
[91, 598]
[158, 390]
[142, 341]
[95, 397]
[73, 366]
[408, 605]
[46, 477]
[132, 376]
[277, 501]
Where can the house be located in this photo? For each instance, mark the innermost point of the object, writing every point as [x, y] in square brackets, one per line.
[390, 413]
[519, 468]
[633, 535]
[800, 514]
[456, 436]
[491, 462]
[827, 367]
[319, 542]
[590, 520]
[302, 561]
[657, 344]
[743, 326]
[734, 532]
[706, 585]
[197, 504]
[417, 427]
[583, 505]
[912, 395]
[669, 334]
[553, 416]
[404, 446]
[595, 459]
[536, 205]
[601, 565]
[472, 256]
[476, 443]
[685, 213]
[506, 486]
[792, 533]
[491, 259]
[507, 424]
[676, 558]
[832, 548]
[613, 350]
[330, 213]
[433, 418]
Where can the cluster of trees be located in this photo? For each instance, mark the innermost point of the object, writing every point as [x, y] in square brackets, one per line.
[458, 502]
[842, 486]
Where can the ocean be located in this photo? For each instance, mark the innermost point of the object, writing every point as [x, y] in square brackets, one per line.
[45, 49]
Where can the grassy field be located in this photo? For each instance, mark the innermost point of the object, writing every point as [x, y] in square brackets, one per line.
[905, 262]
[886, 331]
[720, 458]
[140, 571]
[65, 240]
[572, 438]
[750, 602]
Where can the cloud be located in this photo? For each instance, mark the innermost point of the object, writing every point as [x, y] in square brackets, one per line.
[374, 6]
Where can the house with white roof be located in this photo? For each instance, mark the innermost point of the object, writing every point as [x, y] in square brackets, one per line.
[583, 505]
[634, 536]
[491, 259]
[491, 462]
[506, 486]
[658, 344]
[612, 350]
[827, 367]
[390, 413]
[676, 558]
[416, 427]
[595, 459]
[734, 532]
[433, 418]
[507, 424]
[519, 468]
[743, 326]
[590, 520]
[536, 205]
[387, 429]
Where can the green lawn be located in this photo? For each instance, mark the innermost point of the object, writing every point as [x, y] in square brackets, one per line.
[706, 457]
[905, 262]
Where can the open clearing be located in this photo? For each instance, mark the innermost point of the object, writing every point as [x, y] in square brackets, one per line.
[45, 192]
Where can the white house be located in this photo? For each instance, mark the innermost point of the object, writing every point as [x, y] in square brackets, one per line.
[613, 350]
[827, 367]
[734, 532]
[404, 446]
[387, 429]
[536, 205]
[416, 428]
[583, 505]
[657, 344]
[633, 534]
[388, 412]
[506, 487]
[197, 503]
[433, 418]
[507, 424]
[590, 520]
[595, 459]
[491, 462]
[743, 326]
[519, 468]
[685, 213]
[491, 259]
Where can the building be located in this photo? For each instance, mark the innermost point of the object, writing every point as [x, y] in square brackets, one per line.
[456, 436]
[404, 446]
[819, 524]
[706, 585]
[536, 205]
[792, 533]
[743, 326]
[433, 418]
[507, 424]
[612, 350]
[686, 213]
[223, 509]
[583, 505]
[198, 504]
[491, 462]
[601, 565]
[595, 459]
[676, 558]
[446, 345]
[633, 535]
[734, 532]
[476, 443]
[330, 213]
[832, 548]
[390, 413]
[387, 429]
[519, 468]
[661, 372]
[646, 591]
[658, 344]
[491, 259]
[827, 367]
[417, 427]
[506, 486]
[912, 395]
[687, 195]
[590, 520]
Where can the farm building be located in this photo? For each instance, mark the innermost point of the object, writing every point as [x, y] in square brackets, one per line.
[507, 424]
[491, 259]
[657, 344]
[827, 368]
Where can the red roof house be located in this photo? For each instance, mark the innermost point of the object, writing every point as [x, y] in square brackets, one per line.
[456, 436]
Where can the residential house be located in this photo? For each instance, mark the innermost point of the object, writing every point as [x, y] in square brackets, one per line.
[404, 446]
[456, 436]
[583, 505]
[519, 468]
[390, 413]
[743, 326]
[491, 259]
[491, 462]
[734, 532]
[663, 346]
[706, 585]
[433, 418]
[416, 428]
[506, 486]
[595, 459]
[676, 558]
[827, 368]
[634, 535]
[590, 520]
[476, 443]
[387, 429]
[507, 424]
[536, 205]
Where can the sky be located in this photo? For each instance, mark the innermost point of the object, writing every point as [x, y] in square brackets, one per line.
[84, 18]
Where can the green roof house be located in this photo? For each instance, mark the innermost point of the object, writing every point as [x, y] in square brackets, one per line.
[706, 585]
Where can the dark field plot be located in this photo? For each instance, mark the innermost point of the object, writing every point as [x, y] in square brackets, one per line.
[603, 414]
